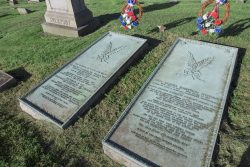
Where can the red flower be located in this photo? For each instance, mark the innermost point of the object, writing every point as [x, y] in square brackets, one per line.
[125, 27]
[217, 22]
[215, 15]
[204, 31]
[133, 18]
[131, 13]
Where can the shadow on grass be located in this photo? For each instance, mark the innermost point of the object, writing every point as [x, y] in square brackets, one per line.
[233, 85]
[3, 15]
[20, 74]
[158, 6]
[236, 28]
[22, 143]
[245, 160]
[174, 24]
[105, 19]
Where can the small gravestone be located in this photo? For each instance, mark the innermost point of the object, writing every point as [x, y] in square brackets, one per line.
[6, 81]
[68, 18]
[23, 11]
[12, 2]
[240, 1]
[35, 1]
[71, 90]
[174, 119]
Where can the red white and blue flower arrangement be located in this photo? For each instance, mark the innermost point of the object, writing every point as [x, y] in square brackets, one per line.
[210, 23]
[128, 18]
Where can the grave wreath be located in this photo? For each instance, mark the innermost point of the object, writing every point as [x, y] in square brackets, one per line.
[210, 22]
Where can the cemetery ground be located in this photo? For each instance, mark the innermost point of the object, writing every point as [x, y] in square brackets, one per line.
[30, 55]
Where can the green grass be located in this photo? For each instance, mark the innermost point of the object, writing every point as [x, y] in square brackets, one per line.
[27, 142]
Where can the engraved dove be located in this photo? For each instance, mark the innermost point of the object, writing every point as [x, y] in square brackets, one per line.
[194, 67]
[108, 52]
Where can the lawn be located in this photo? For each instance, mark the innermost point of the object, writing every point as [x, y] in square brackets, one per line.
[30, 55]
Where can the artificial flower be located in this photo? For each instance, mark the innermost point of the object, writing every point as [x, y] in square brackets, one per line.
[205, 16]
[211, 31]
[199, 20]
[208, 24]
[218, 30]
[217, 22]
[215, 15]
[204, 31]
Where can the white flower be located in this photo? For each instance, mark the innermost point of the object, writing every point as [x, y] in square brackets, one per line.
[124, 15]
[205, 16]
[211, 31]
[208, 24]
[128, 21]
[129, 26]
[218, 1]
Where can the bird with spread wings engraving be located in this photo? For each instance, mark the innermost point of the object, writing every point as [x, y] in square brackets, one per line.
[194, 67]
[108, 52]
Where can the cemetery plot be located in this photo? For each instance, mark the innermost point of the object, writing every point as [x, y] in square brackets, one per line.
[71, 90]
[175, 117]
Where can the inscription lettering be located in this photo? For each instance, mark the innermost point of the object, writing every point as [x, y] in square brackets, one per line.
[71, 86]
[172, 116]
[60, 21]
[175, 117]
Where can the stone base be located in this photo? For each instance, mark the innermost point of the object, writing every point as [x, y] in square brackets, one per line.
[30, 111]
[69, 31]
[118, 157]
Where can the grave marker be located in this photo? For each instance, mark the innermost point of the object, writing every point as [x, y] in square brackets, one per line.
[23, 11]
[12, 2]
[72, 89]
[68, 18]
[6, 81]
[174, 118]
[240, 1]
[34, 1]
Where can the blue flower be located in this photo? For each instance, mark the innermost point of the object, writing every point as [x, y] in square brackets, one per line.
[131, 2]
[121, 18]
[135, 24]
[199, 26]
[199, 20]
[123, 23]
[218, 30]
[223, 1]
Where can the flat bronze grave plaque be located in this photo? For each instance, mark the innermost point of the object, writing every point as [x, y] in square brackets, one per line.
[6, 81]
[174, 119]
[72, 89]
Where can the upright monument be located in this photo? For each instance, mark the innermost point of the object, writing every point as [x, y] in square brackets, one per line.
[68, 18]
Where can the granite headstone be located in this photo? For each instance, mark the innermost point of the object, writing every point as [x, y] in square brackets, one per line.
[12, 2]
[240, 1]
[6, 81]
[34, 1]
[72, 89]
[174, 119]
[23, 11]
[68, 18]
